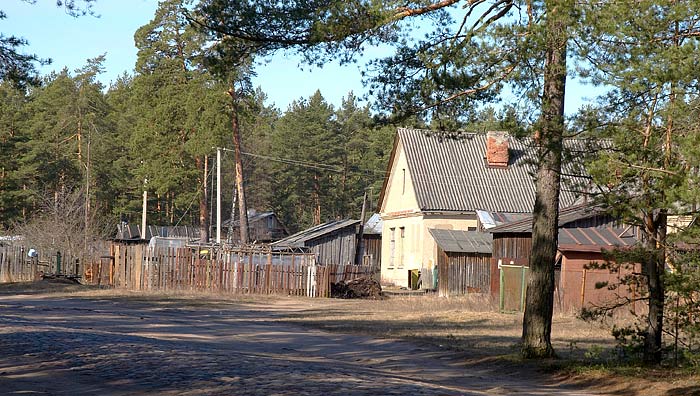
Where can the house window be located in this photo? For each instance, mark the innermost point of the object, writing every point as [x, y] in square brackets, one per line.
[471, 228]
[402, 236]
[392, 247]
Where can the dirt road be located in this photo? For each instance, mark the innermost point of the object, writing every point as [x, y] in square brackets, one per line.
[104, 345]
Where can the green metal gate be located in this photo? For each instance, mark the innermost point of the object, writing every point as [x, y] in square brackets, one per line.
[513, 285]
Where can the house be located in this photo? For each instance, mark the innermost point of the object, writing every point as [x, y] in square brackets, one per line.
[438, 182]
[333, 242]
[585, 234]
[263, 227]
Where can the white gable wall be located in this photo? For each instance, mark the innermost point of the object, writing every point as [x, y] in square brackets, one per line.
[413, 247]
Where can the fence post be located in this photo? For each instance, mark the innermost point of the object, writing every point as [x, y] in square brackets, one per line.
[583, 288]
[523, 285]
[501, 292]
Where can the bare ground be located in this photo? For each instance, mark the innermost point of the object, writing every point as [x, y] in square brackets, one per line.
[58, 338]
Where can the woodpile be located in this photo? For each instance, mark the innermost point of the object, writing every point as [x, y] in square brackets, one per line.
[363, 287]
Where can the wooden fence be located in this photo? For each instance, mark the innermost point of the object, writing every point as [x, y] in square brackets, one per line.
[16, 266]
[138, 267]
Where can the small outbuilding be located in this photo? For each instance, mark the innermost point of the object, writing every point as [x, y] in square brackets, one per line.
[463, 261]
[263, 227]
[333, 242]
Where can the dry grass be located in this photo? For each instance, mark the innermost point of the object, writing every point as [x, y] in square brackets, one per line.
[461, 324]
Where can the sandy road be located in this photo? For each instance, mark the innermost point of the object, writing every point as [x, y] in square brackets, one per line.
[78, 345]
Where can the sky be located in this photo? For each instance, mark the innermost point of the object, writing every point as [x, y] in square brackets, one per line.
[70, 42]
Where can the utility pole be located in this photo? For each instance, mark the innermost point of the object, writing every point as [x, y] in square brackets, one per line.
[358, 244]
[242, 209]
[218, 195]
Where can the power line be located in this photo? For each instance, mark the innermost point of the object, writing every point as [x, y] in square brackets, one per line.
[306, 164]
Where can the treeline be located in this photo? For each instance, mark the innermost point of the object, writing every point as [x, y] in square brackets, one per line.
[157, 131]
[71, 146]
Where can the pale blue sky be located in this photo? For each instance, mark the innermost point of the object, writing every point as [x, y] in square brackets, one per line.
[71, 41]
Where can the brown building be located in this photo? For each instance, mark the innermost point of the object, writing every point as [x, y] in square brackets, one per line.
[585, 234]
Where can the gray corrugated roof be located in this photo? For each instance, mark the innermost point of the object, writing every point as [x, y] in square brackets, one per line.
[299, 239]
[459, 241]
[373, 226]
[126, 232]
[567, 215]
[251, 218]
[595, 238]
[452, 174]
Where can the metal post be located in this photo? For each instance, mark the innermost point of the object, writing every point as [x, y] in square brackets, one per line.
[218, 195]
[143, 211]
[501, 291]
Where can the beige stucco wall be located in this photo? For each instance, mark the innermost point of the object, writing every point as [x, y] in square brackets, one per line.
[416, 249]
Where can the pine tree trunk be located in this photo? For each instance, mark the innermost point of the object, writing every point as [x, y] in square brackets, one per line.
[235, 127]
[653, 270]
[539, 306]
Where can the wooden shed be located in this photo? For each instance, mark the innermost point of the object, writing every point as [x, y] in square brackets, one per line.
[263, 227]
[372, 242]
[463, 261]
[333, 242]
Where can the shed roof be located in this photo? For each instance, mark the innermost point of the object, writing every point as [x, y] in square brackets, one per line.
[595, 239]
[581, 239]
[459, 241]
[374, 224]
[252, 216]
[132, 232]
[301, 238]
[451, 173]
[567, 215]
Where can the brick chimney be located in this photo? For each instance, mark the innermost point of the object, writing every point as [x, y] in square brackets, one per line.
[497, 149]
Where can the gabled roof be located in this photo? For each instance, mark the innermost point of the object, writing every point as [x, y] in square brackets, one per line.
[459, 241]
[301, 238]
[451, 174]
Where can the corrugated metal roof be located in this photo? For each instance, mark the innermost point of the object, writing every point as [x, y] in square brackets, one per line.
[299, 239]
[132, 232]
[251, 218]
[595, 238]
[566, 216]
[373, 226]
[451, 174]
[459, 241]
[583, 239]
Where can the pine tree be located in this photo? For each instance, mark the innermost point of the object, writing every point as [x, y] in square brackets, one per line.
[182, 117]
[13, 195]
[647, 56]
